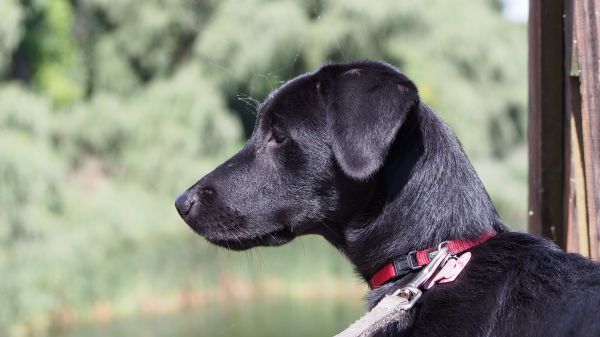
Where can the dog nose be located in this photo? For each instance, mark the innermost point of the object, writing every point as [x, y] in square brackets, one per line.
[184, 203]
[187, 199]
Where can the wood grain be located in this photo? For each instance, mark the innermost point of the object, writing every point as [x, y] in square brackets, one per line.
[587, 27]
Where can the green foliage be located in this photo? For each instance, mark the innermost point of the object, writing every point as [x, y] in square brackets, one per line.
[112, 71]
[505, 182]
[59, 65]
[30, 175]
[122, 104]
[177, 127]
[11, 30]
[129, 44]
[22, 111]
[257, 53]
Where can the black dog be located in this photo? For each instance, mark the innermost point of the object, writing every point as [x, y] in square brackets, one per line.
[351, 153]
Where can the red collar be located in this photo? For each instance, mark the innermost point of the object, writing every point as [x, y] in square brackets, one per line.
[417, 259]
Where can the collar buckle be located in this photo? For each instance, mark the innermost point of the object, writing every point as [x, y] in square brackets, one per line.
[411, 258]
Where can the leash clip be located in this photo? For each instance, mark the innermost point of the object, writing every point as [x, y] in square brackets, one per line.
[427, 272]
[411, 291]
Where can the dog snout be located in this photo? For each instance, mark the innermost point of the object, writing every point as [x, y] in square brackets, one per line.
[188, 199]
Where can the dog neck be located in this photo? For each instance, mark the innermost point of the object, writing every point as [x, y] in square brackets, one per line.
[427, 192]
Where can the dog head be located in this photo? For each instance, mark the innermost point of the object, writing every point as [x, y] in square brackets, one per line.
[317, 147]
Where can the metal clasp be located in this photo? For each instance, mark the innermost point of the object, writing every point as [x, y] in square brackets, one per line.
[411, 291]
[430, 268]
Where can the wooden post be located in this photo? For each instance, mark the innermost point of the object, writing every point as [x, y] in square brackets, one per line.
[564, 117]
[546, 119]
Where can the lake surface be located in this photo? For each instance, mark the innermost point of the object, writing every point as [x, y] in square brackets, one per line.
[256, 318]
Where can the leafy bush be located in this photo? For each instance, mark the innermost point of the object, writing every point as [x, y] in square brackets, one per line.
[30, 174]
[254, 54]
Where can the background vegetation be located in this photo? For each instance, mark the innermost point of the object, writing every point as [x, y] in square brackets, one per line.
[108, 109]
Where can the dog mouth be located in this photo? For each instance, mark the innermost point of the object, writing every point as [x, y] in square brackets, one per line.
[228, 229]
[274, 238]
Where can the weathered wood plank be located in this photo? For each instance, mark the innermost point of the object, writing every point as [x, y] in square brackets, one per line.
[576, 221]
[587, 28]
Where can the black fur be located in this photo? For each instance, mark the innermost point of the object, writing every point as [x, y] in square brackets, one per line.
[351, 153]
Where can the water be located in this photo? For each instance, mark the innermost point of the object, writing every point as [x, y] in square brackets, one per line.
[259, 318]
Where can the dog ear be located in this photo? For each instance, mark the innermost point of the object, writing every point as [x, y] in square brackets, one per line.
[366, 111]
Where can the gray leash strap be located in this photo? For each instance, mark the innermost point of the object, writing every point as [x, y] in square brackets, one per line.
[391, 309]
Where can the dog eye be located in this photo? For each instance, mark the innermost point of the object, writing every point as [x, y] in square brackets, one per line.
[277, 138]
